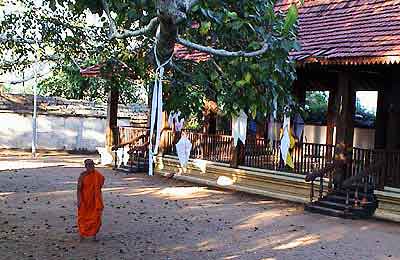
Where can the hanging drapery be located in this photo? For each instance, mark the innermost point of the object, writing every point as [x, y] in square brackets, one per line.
[239, 128]
[156, 109]
[173, 119]
[287, 142]
[183, 148]
[298, 123]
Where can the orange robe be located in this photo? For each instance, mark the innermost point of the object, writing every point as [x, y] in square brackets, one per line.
[91, 205]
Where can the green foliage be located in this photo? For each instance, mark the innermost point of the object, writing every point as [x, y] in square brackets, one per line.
[235, 83]
[242, 83]
[317, 108]
[68, 83]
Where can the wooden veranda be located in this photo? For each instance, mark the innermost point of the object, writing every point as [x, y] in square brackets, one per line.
[262, 154]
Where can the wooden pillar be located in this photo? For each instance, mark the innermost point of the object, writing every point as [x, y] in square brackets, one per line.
[331, 116]
[381, 119]
[237, 155]
[210, 123]
[210, 110]
[112, 118]
[346, 99]
[392, 95]
[330, 121]
[299, 91]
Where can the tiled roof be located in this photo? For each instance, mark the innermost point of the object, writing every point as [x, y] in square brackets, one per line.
[348, 31]
[95, 71]
[181, 52]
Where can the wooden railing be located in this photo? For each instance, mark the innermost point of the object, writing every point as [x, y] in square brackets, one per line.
[370, 175]
[216, 148]
[306, 156]
[132, 148]
[389, 162]
[259, 153]
[127, 134]
[325, 173]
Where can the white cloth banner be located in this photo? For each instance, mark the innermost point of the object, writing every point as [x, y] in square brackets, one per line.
[239, 128]
[156, 110]
[174, 119]
[183, 148]
[285, 141]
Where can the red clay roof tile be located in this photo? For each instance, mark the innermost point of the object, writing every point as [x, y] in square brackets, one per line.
[348, 31]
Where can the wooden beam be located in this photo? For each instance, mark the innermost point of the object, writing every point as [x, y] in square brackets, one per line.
[112, 118]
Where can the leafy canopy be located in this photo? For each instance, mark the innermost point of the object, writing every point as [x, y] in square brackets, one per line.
[60, 31]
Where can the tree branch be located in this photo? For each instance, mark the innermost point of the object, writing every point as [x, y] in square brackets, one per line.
[186, 5]
[126, 33]
[16, 39]
[222, 52]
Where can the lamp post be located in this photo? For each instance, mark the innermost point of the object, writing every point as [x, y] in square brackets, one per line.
[34, 119]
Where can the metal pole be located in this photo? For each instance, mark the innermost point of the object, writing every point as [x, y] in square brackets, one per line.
[34, 120]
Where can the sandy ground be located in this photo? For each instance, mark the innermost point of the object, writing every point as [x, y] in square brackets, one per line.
[155, 218]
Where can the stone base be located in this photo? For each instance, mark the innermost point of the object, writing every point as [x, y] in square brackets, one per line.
[389, 204]
[274, 184]
[280, 185]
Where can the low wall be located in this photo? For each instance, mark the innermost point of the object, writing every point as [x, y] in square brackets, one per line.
[62, 124]
[54, 132]
[280, 185]
[363, 137]
[389, 204]
[274, 184]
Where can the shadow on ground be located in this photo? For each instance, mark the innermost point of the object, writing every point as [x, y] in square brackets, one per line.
[156, 218]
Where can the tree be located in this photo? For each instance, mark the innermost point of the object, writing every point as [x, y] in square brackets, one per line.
[317, 107]
[248, 41]
[67, 82]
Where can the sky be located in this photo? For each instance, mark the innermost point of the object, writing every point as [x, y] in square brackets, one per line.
[368, 99]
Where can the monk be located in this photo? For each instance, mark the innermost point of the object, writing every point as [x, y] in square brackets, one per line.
[90, 201]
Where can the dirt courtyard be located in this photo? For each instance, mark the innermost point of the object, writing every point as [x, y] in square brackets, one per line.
[156, 218]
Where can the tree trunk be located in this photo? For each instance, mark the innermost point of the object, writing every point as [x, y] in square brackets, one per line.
[166, 37]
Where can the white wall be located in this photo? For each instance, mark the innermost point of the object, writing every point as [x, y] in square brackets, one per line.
[54, 132]
[363, 138]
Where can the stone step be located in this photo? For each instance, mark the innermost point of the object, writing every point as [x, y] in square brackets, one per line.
[331, 205]
[325, 211]
[142, 167]
[370, 196]
[342, 199]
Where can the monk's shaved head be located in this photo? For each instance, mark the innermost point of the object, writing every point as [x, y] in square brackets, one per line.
[89, 164]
